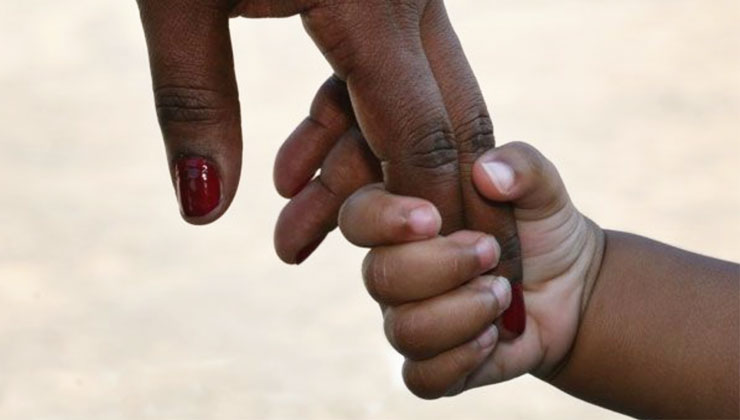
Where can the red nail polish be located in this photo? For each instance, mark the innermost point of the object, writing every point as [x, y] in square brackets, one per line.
[307, 251]
[198, 186]
[514, 319]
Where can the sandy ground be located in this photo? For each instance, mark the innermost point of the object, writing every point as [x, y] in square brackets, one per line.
[113, 308]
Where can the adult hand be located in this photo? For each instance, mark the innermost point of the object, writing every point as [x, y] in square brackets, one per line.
[414, 97]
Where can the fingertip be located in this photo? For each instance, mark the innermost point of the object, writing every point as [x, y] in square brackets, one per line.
[199, 190]
[483, 248]
[374, 217]
[289, 188]
[502, 291]
[303, 224]
[494, 178]
[424, 221]
[284, 248]
[518, 173]
[202, 220]
[487, 340]
[488, 251]
[501, 175]
[309, 249]
[294, 166]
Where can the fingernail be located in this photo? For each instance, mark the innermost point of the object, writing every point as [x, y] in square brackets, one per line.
[502, 291]
[514, 319]
[423, 221]
[488, 338]
[198, 186]
[487, 249]
[307, 251]
[501, 174]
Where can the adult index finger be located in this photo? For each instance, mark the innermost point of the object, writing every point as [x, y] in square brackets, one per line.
[197, 101]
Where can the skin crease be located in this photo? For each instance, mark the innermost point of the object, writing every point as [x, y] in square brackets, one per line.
[613, 318]
[427, 122]
[560, 249]
[413, 97]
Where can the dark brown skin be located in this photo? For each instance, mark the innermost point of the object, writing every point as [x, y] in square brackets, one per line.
[413, 96]
[419, 106]
[660, 336]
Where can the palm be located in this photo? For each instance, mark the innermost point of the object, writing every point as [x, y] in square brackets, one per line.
[554, 259]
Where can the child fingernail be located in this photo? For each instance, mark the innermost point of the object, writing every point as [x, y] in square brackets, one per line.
[487, 250]
[423, 221]
[198, 186]
[502, 290]
[488, 338]
[501, 175]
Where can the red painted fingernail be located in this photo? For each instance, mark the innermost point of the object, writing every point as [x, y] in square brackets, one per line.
[307, 251]
[514, 319]
[198, 186]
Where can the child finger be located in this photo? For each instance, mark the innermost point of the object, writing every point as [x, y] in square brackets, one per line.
[519, 173]
[445, 374]
[420, 270]
[374, 217]
[422, 330]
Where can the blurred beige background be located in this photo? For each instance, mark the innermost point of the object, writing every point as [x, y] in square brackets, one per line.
[111, 307]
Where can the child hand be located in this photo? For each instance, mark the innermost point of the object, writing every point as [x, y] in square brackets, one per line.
[438, 305]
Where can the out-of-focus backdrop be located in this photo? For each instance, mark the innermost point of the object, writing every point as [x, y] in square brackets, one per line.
[111, 307]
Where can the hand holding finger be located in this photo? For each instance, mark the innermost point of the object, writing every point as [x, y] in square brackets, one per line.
[519, 173]
[424, 329]
[420, 270]
[374, 217]
[447, 374]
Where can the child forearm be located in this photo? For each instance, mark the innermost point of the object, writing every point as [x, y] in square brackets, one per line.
[659, 336]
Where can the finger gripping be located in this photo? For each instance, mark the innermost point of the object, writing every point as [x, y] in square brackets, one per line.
[475, 137]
